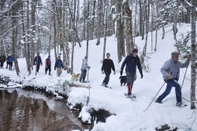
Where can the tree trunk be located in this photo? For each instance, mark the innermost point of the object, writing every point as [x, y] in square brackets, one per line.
[128, 29]
[193, 55]
[99, 22]
[119, 31]
[105, 33]
[14, 44]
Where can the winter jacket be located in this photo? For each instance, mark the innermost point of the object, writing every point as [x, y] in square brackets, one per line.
[131, 63]
[10, 59]
[39, 61]
[84, 65]
[168, 67]
[58, 64]
[2, 58]
[107, 65]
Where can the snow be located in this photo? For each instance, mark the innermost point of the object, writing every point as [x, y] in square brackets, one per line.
[129, 115]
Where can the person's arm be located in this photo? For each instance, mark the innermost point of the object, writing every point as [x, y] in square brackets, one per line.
[140, 67]
[102, 67]
[62, 64]
[55, 65]
[40, 60]
[164, 69]
[113, 67]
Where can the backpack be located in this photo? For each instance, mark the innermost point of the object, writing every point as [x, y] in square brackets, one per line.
[48, 62]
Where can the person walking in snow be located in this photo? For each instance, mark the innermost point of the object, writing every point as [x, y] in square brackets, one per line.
[48, 65]
[37, 62]
[59, 66]
[10, 60]
[131, 61]
[2, 60]
[84, 68]
[106, 68]
[171, 72]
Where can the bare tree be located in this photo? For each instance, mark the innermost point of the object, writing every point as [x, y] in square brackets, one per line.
[128, 28]
[119, 30]
[193, 53]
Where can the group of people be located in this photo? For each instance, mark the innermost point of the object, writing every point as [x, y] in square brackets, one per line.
[9, 61]
[170, 71]
[58, 64]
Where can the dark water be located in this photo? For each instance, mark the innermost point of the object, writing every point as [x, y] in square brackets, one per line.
[30, 111]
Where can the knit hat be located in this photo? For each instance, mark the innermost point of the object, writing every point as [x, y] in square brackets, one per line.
[135, 50]
[175, 53]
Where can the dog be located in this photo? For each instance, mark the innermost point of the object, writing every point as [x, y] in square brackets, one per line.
[75, 77]
[123, 80]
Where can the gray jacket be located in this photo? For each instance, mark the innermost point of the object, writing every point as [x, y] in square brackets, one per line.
[168, 67]
[84, 65]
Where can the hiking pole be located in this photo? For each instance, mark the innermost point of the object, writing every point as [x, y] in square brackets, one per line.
[155, 96]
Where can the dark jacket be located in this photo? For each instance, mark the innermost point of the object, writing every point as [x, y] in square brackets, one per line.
[58, 64]
[2, 58]
[37, 62]
[108, 64]
[131, 63]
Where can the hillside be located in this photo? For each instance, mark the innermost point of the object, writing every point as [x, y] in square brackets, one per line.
[129, 115]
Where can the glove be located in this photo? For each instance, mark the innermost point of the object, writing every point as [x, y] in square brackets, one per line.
[54, 68]
[121, 73]
[102, 72]
[141, 76]
[114, 72]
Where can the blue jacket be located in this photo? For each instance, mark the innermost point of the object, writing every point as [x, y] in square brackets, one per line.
[58, 64]
[131, 63]
[10, 59]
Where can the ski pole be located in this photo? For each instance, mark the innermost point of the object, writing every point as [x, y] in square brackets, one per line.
[155, 96]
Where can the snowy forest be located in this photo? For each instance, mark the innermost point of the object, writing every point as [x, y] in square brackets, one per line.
[31, 26]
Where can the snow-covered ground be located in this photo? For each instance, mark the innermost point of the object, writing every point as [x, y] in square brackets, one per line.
[130, 115]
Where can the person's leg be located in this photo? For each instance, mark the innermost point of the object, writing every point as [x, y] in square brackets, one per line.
[84, 75]
[177, 91]
[81, 76]
[46, 69]
[129, 82]
[38, 68]
[106, 79]
[1, 64]
[58, 71]
[166, 92]
[49, 67]
[10, 65]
